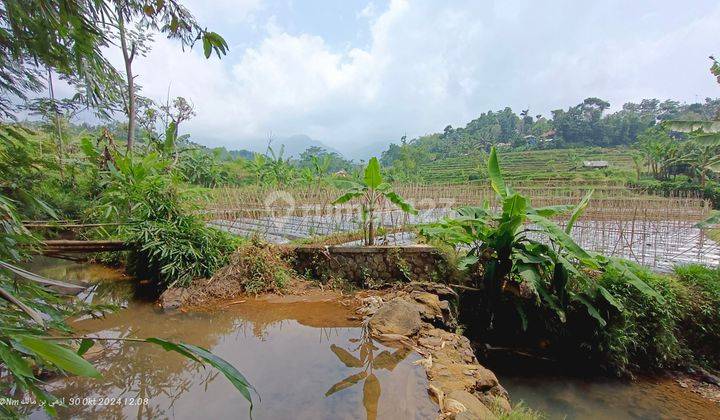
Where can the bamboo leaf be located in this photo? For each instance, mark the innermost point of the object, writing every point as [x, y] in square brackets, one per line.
[61, 287]
[201, 355]
[14, 362]
[371, 396]
[60, 356]
[634, 280]
[32, 313]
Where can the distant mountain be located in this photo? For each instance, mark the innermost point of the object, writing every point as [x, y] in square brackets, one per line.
[295, 145]
[365, 152]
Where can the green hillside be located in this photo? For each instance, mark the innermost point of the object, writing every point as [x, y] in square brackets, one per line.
[537, 165]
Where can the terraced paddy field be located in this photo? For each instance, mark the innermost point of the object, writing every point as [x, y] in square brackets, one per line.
[535, 165]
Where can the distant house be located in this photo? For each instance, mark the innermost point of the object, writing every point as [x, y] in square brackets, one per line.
[595, 164]
[341, 172]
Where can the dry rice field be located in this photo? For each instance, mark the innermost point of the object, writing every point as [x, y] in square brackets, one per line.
[654, 231]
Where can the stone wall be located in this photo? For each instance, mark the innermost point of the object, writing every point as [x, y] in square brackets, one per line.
[372, 265]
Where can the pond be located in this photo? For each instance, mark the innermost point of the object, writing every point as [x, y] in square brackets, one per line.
[306, 360]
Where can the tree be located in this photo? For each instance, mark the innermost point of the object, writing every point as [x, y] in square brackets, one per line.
[69, 38]
[133, 43]
[372, 190]
[659, 150]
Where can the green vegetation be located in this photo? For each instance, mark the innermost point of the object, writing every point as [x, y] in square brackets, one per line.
[615, 314]
[371, 190]
[61, 172]
[504, 255]
[168, 241]
[536, 165]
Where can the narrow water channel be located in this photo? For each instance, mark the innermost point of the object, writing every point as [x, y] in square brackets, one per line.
[306, 360]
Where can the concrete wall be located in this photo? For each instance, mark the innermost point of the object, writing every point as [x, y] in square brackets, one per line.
[372, 265]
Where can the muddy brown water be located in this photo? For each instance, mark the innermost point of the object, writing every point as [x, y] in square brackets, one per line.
[574, 398]
[307, 361]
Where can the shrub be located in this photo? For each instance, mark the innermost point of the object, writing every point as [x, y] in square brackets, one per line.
[700, 324]
[177, 250]
[168, 241]
[643, 333]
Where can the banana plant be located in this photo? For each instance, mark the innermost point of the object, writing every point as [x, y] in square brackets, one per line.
[371, 190]
[504, 243]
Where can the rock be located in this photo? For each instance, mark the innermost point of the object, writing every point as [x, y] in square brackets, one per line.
[708, 377]
[496, 397]
[442, 291]
[453, 406]
[486, 379]
[473, 407]
[431, 342]
[396, 317]
[370, 305]
[429, 305]
[172, 298]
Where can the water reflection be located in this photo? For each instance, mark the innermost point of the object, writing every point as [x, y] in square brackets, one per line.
[367, 361]
[289, 352]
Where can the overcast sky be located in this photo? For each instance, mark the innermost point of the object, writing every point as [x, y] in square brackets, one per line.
[355, 72]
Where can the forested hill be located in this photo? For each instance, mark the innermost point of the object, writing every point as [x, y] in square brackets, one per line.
[586, 124]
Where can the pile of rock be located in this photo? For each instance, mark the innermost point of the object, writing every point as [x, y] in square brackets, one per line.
[421, 316]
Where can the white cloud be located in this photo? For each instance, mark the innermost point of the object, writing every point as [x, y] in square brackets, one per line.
[429, 64]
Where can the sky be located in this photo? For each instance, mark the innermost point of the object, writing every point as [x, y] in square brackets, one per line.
[352, 73]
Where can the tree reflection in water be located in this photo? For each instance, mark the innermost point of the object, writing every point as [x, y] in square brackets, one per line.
[368, 362]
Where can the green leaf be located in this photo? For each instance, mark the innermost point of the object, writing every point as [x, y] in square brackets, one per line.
[373, 177]
[564, 240]
[592, 310]
[713, 219]
[207, 46]
[14, 362]
[200, 354]
[531, 274]
[578, 211]
[610, 298]
[522, 314]
[60, 356]
[496, 178]
[347, 197]
[634, 280]
[85, 345]
[550, 211]
[232, 374]
[400, 202]
[467, 261]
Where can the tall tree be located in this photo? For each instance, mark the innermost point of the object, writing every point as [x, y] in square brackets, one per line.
[69, 37]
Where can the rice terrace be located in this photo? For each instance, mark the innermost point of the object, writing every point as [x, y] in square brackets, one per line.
[395, 209]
